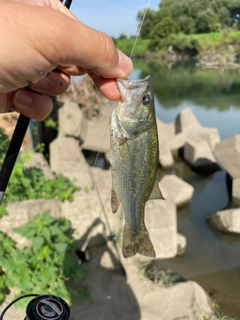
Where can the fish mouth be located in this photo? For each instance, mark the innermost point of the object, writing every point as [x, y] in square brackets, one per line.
[124, 85]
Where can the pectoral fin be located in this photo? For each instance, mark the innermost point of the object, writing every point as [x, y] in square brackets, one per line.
[156, 192]
[114, 202]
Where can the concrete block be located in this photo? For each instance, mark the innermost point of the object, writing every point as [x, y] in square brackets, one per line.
[226, 220]
[102, 178]
[236, 191]
[186, 121]
[165, 130]
[165, 155]
[177, 141]
[174, 188]
[98, 137]
[161, 222]
[210, 135]
[187, 124]
[66, 158]
[197, 152]
[181, 244]
[165, 134]
[72, 122]
[227, 153]
[90, 214]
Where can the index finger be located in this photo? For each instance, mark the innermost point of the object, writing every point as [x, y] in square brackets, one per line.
[85, 47]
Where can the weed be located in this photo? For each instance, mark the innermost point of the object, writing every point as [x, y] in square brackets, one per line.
[31, 184]
[164, 278]
[47, 266]
[50, 123]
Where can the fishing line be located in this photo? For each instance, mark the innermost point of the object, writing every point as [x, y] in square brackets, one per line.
[97, 156]
[112, 237]
[139, 29]
[95, 185]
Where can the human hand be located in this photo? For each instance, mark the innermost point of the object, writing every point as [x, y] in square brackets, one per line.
[42, 44]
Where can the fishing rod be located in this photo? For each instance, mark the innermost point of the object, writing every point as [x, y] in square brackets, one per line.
[42, 307]
[16, 142]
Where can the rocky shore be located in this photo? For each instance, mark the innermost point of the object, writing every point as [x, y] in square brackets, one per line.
[202, 149]
[226, 57]
[131, 296]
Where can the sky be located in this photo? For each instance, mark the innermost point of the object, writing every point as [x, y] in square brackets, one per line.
[113, 17]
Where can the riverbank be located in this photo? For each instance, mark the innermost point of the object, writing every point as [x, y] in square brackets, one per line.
[117, 289]
[114, 295]
[210, 255]
[205, 254]
[213, 96]
[210, 49]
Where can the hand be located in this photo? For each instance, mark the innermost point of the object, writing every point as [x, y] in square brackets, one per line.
[42, 44]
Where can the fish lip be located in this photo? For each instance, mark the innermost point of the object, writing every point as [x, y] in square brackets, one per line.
[125, 84]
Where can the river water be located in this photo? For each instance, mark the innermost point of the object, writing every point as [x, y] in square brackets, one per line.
[212, 257]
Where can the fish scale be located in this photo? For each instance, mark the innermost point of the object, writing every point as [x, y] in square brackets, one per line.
[134, 161]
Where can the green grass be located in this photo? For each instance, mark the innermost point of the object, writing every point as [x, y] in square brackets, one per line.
[126, 46]
[206, 41]
[198, 43]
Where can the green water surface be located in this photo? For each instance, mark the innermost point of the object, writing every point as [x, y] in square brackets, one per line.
[212, 258]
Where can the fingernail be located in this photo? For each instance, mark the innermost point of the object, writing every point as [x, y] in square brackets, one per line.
[43, 84]
[23, 98]
[125, 63]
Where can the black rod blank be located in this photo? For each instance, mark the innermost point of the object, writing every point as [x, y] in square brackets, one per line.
[12, 153]
[15, 144]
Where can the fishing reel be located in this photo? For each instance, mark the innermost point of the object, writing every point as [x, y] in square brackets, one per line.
[43, 307]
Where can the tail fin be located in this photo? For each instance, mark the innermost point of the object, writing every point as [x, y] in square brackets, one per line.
[137, 242]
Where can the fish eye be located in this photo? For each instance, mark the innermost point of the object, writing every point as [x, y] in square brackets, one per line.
[145, 99]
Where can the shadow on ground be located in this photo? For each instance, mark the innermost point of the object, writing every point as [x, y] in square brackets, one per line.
[110, 296]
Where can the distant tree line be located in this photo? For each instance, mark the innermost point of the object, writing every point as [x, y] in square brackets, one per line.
[189, 17]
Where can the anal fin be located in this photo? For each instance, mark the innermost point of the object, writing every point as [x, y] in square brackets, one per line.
[156, 192]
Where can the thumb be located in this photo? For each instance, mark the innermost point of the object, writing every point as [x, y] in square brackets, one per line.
[62, 39]
[30, 104]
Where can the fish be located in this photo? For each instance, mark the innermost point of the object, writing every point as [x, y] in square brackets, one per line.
[134, 156]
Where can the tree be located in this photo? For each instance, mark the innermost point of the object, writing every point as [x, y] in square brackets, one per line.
[148, 22]
[207, 21]
[190, 16]
[224, 17]
[122, 36]
[187, 25]
[162, 30]
[234, 9]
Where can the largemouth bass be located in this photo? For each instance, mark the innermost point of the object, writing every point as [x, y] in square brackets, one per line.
[134, 159]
